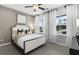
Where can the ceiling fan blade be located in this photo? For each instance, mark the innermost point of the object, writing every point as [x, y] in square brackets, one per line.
[28, 6]
[41, 8]
[39, 4]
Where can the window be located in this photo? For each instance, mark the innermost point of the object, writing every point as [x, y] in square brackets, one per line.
[41, 25]
[61, 24]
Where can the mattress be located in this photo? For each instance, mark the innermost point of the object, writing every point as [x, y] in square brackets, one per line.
[20, 40]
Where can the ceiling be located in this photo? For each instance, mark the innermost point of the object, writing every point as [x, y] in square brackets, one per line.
[30, 11]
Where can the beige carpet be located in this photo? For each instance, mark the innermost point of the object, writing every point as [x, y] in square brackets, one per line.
[48, 49]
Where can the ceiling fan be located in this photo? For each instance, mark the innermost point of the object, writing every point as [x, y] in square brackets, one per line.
[35, 7]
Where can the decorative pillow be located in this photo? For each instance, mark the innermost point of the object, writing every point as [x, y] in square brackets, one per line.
[26, 31]
[20, 31]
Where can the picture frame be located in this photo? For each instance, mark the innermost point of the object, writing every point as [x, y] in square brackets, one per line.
[21, 19]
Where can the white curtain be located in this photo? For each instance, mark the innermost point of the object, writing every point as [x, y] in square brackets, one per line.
[36, 24]
[71, 11]
[52, 26]
[45, 26]
[54, 22]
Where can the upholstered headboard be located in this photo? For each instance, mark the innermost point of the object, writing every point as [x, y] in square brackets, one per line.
[22, 29]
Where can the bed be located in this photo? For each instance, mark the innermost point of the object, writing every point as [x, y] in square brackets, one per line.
[28, 42]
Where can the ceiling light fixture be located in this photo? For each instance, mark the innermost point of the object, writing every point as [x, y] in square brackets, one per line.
[35, 6]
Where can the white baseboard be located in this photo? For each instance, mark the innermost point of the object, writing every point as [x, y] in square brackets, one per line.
[5, 44]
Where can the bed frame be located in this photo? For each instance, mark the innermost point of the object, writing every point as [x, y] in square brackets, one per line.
[41, 39]
[23, 51]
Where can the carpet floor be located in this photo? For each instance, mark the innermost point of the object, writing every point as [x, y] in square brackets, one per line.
[48, 49]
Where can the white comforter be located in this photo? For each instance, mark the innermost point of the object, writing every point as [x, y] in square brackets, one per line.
[20, 40]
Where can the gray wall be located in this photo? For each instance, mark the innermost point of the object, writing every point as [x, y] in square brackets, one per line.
[7, 20]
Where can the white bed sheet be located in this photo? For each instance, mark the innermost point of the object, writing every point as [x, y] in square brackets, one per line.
[20, 41]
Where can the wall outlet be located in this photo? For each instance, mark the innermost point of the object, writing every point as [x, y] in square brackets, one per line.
[1, 40]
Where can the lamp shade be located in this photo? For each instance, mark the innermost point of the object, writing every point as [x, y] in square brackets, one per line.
[77, 22]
